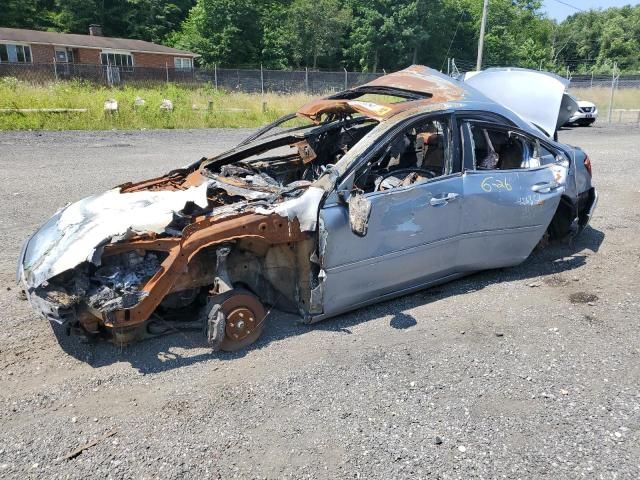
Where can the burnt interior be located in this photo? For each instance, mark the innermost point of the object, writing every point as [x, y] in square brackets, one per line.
[292, 160]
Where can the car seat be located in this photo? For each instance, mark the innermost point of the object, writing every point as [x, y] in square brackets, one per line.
[433, 157]
[511, 155]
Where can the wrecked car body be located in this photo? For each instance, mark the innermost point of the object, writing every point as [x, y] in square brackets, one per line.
[359, 201]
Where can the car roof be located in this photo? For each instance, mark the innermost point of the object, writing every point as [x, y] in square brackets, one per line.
[417, 84]
[422, 89]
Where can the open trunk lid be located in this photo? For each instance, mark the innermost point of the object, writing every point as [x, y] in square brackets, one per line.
[535, 96]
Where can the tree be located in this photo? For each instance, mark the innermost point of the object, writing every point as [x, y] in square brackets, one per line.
[316, 29]
[367, 35]
[154, 20]
[368, 39]
[518, 33]
[592, 41]
[276, 51]
[33, 14]
[222, 31]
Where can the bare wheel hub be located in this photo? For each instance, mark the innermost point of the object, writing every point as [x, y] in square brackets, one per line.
[241, 322]
[244, 318]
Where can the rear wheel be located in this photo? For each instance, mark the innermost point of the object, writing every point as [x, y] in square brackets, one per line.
[235, 320]
[563, 223]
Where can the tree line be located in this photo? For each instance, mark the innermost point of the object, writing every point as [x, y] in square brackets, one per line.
[361, 35]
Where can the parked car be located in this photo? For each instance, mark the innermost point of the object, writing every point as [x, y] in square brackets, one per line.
[585, 114]
[408, 181]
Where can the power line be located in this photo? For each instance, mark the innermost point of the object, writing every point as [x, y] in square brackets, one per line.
[571, 6]
[452, 39]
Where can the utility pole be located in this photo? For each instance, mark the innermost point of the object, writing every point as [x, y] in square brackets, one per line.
[483, 24]
[614, 79]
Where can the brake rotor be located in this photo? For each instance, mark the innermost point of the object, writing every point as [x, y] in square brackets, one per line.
[244, 320]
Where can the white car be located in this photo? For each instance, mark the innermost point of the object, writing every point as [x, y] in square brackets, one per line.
[584, 115]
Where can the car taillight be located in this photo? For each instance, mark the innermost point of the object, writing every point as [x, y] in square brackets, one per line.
[587, 165]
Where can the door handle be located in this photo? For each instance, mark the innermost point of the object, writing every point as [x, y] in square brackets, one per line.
[545, 187]
[436, 201]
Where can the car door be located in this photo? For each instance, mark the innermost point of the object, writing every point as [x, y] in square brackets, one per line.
[507, 206]
[411, 239]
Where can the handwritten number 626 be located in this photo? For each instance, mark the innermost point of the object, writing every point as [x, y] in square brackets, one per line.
[491, 183]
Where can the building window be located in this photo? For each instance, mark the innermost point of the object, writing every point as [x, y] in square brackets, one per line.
[183, 63]
[117, 59]
[15, 53]
[64, 55]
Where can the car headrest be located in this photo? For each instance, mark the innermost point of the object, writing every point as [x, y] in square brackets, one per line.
[431, 139]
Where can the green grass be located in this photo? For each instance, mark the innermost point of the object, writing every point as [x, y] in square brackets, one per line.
[190, 107]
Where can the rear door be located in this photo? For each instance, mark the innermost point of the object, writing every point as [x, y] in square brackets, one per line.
[511, 193]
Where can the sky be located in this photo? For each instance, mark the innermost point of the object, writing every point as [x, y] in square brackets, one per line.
[560, 11]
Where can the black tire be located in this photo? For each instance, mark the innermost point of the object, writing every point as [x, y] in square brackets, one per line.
[560, 226]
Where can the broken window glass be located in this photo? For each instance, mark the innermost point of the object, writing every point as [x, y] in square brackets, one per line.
[124, 60]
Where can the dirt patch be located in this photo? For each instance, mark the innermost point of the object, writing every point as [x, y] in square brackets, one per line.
[583, 297]
[592, 319]
[176, 406]
[555, 281]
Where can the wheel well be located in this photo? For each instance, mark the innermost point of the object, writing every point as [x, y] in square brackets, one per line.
[563, 219]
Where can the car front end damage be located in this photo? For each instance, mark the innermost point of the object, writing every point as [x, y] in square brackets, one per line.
[215, 243]
[125, 263]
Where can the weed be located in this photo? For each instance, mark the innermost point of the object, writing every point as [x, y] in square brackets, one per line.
[193, 107]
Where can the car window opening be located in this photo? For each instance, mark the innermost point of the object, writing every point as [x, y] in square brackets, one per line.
[417, 154]
[495, 149]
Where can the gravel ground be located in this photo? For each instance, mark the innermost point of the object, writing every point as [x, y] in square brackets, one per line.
[526, 372]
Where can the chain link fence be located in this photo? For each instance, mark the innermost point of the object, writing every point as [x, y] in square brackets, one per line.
[231, 79]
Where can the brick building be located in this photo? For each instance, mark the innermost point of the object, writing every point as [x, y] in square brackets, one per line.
[20, 46]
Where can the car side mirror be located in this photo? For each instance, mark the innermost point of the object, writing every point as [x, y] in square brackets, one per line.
[359, 208]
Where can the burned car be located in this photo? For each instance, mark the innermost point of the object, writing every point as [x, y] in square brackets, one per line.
[408, 181]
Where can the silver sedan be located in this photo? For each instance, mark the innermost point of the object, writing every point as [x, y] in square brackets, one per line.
[408, 181]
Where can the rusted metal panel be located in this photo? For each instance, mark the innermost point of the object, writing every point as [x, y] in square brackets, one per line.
[273, 229]
[436, 87]
[305, 151]
[173, 181]
[314, 110]
[418, 78]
